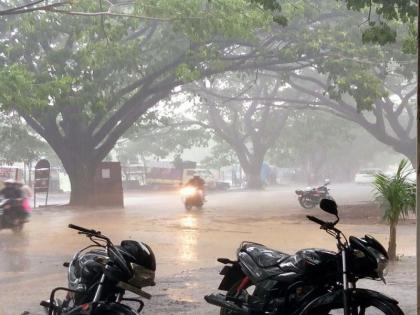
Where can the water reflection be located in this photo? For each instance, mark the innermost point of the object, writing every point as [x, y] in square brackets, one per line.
[13, 256]
[188, 238]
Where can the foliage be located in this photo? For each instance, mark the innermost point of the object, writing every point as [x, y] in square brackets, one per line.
[19, 144]
[221, 155]
[158, 143]
[369, 84]
[55, 62]
[381, 31]
[82, 81]
[396, 194]
[310, 131]
[380, 15]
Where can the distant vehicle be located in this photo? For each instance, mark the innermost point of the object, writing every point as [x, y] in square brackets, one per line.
[366, 176]
[222, 185]
[311, 196]
[10, 217]
[164, 176]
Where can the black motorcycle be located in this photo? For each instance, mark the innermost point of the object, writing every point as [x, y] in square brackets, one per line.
[310, 282]
[310, 197]
[12, 215]
[100, 274]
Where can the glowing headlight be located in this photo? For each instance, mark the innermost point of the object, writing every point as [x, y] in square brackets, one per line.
[188, 191]
[382, 262]
[142, 277]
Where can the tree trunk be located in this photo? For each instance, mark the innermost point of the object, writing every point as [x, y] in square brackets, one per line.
[81, 169]
[392, 246]
[409, 150]
[253, 180]
[82, 186]
[253, 174]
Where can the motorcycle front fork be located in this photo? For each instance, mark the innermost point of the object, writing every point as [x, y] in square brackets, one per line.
[346, 285]
[99, 289]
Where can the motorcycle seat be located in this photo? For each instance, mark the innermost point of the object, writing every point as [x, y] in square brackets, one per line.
[263, 256]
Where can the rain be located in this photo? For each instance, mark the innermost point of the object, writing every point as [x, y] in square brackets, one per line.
[174, 133]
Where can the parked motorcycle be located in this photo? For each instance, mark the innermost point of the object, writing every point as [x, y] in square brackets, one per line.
[310, 197]
[310, 282]
[11, 215]
[100, 274]
[192, 197]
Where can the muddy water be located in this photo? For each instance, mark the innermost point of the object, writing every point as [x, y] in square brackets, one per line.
[186, 244]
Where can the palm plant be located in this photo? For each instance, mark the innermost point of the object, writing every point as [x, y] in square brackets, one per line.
[397, 197]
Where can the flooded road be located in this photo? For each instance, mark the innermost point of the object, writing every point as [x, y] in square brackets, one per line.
[186, 244]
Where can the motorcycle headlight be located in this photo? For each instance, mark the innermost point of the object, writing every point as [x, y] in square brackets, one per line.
[381, 261]
[142, 277]
[188, 191]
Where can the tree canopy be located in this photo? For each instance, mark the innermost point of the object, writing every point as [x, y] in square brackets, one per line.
[249, 127]
[81, 82]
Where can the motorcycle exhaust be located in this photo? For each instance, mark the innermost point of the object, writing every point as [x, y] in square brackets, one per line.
[220, 300]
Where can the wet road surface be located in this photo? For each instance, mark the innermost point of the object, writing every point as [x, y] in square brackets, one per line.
[186, 244]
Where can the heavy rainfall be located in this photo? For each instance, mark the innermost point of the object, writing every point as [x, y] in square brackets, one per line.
[208, 148]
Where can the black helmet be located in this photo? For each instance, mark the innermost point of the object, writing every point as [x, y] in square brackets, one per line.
[141, 252]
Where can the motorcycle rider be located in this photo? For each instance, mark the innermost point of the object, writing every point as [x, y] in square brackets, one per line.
[197, 182]
[19, 195]
[11, 190]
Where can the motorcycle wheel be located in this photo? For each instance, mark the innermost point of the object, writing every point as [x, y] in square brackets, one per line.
[232, 292]
[365, 307]
[17, 228]
[306, 203]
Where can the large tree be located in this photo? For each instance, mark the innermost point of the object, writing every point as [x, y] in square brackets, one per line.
[369, 84]
[250, 128]
[81, 82]
[390, 119]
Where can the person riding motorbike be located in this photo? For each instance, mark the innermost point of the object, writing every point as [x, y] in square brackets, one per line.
[18, 195]
[11, 190]
[197, 182]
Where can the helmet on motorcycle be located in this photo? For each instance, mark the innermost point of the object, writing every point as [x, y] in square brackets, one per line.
[141, 253]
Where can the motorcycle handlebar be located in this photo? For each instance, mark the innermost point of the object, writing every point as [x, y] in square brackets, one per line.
[84, 230]
[316, 220]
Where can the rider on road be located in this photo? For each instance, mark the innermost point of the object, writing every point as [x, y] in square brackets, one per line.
[197, 182]
[19, 195]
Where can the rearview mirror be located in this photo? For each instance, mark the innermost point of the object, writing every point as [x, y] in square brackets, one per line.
[329, 206]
